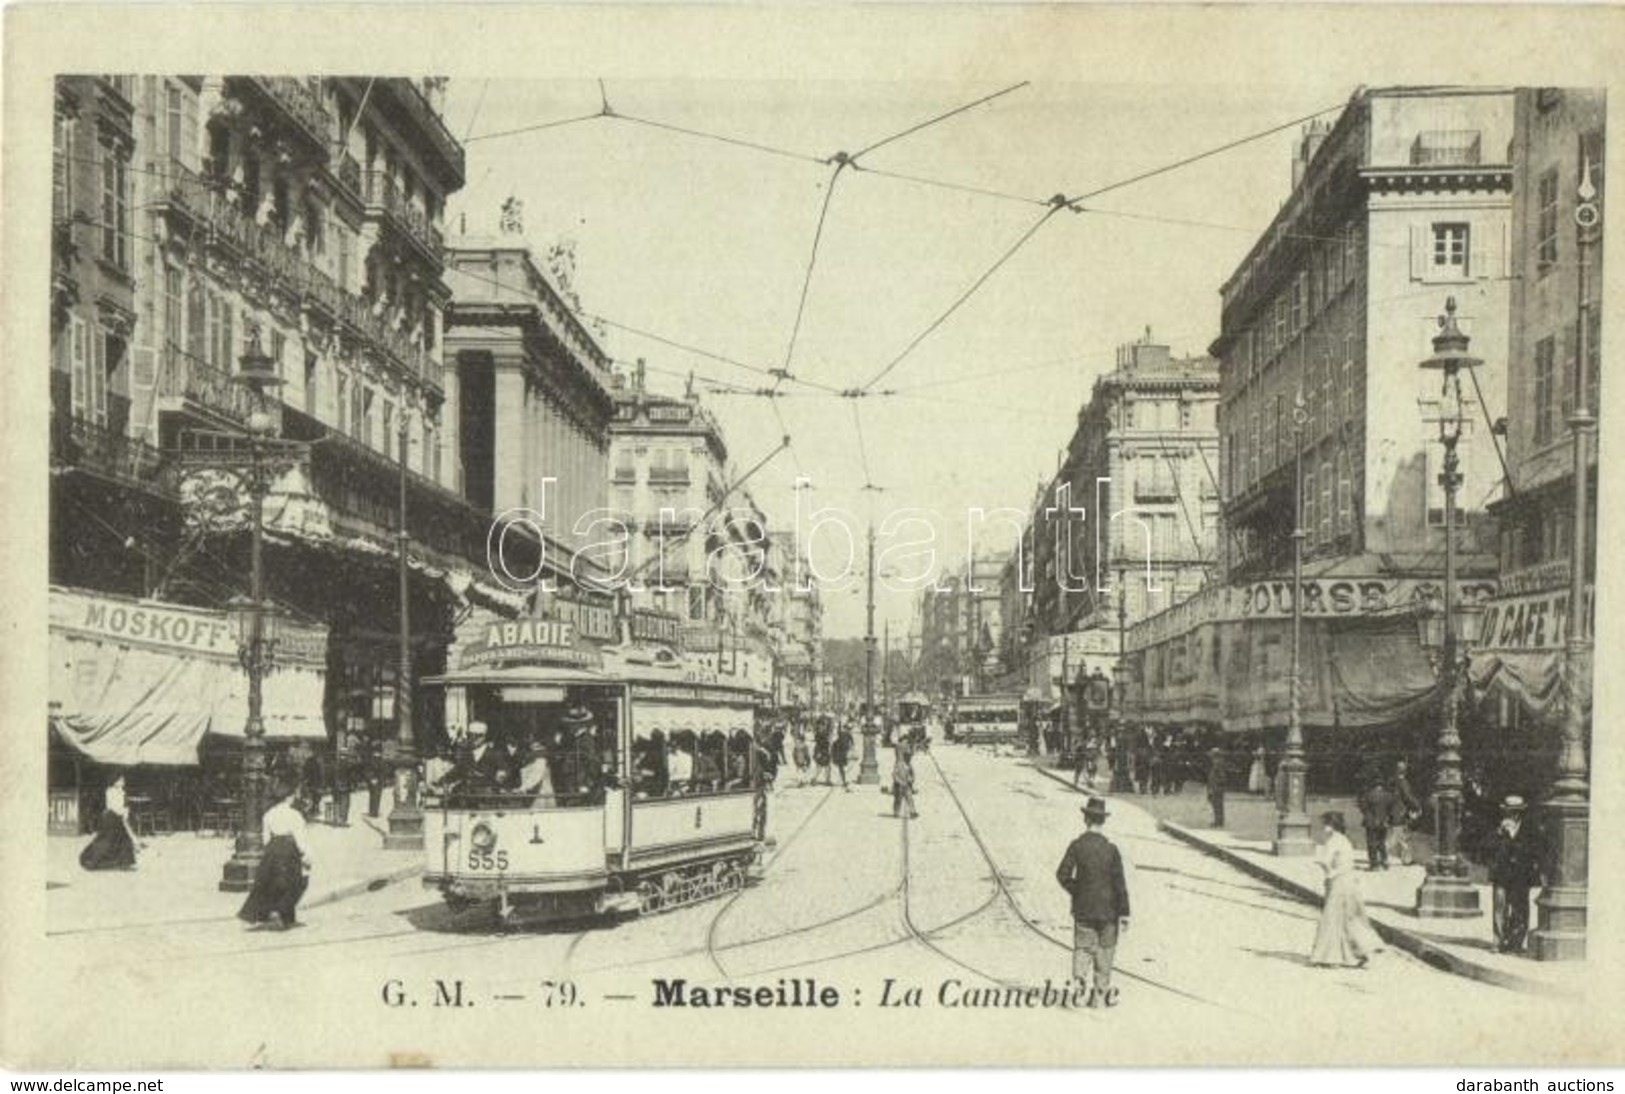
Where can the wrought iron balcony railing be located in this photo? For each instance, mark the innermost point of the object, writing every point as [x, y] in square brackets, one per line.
[298, 98]
[183, 376]
[80, 442]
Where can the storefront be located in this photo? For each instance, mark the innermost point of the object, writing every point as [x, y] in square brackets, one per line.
[1222, 662]
[155, 690]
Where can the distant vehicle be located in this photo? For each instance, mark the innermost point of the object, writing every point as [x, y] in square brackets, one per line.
[986, 719]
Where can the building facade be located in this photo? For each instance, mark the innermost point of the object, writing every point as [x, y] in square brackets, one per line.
[530, 388]
[1400, 210]
[1128, 525]
[1555, 330]
[205, 219]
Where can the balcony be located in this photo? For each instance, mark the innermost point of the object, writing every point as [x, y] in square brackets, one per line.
[186, 194]
[360, 484]
[346, 172]
[383, 193]
[203, 386]
[297, 99]
[82, 444]
[405, 98]
[668, 476]
[1447, 148]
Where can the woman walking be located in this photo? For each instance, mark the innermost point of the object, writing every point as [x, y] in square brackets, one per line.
[113, 848]
[1344, 938]
[1257, 782]
[284, 869]
[821, 757]
[902, 781]
[800, 755]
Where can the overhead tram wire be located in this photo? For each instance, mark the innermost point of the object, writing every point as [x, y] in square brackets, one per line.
[1074, 204]
[812, 261]
[911, 130]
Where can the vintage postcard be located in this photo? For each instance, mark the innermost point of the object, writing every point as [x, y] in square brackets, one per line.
[809, 536]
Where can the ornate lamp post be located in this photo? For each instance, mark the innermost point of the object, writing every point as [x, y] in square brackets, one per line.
[869, 766]
[256, 372]
[1292, 837]
[406, 815]
[1561, 931]
[1446, 892]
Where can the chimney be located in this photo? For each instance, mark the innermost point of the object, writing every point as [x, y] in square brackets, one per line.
[1309, 142]
[1143, 354]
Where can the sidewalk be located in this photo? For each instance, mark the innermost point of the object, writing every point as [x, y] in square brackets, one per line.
[177, 877]
[1465, 947]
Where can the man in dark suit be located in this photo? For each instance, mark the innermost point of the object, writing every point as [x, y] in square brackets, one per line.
[1092, 872]
[1217, 775]
[1515, 868]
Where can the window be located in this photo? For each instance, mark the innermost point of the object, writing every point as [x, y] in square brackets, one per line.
[78, 365]
[1545, 401]
[1252, 449]
[1450, 250]
[1345, 493]
[1351, 250]
[197, 320]
[1280, 321]
[174, 306]
[389, 428]
[357, 422]
[312, 378]
[1300, 290]
[368, 435]
[279, 346]
[115, 208]
[696, 601]
[1546, 237]
[1326, 498]
[173, 123]
[1348, 377]
[1185, 412]
[62, 168]
[341, 415]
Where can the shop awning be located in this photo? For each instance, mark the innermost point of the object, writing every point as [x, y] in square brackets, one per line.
[1521, 653]
[142, 682]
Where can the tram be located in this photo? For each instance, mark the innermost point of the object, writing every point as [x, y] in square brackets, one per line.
[987, 719]
[624, 779]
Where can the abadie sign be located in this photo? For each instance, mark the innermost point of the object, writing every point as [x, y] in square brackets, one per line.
[548, 641]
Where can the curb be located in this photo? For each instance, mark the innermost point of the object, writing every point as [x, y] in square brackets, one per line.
[1399, 937]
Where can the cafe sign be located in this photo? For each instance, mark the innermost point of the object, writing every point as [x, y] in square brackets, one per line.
[1535, 621]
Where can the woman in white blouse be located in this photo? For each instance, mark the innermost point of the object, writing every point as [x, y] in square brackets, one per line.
[114, 845]
[1344, 937]
[284, 868]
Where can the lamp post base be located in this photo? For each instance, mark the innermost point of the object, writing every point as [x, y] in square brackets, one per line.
[239, 871]
[1561, 935]
[869, 766]
[1292, 839]
[405, 829]
[1445, 896]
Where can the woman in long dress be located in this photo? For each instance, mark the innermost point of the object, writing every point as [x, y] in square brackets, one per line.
[1344, 937]
[113, 847]
[284, 868]
[1257, 782]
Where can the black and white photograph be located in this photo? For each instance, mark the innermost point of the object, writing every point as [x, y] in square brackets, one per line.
[677, 559]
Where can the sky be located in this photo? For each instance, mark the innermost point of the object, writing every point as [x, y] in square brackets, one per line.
[708, 243]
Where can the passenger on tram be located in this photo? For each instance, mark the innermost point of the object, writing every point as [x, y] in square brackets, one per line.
[536, 779]
[681, 761]
[438, 768]
[651, 771]
[477, 766]
[583, 771]
[512, 759]
[740, 747]
[710, 763]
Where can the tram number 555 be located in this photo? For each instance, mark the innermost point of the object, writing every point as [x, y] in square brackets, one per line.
[485, 860]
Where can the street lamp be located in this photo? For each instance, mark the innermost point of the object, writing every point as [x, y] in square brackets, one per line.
[1561, 931]
[1292, 837]
[869, 766]
[406, 815]
[256, 372]
[1447, 892]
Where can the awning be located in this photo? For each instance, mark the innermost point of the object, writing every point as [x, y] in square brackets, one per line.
[1521, 652]
[141, 682]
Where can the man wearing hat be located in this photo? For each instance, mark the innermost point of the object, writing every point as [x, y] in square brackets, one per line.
[479, 762]
[1515, 868]
[1092, 872]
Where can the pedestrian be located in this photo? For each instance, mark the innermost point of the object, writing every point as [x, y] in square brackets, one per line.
[841, 753]
[372, 761]
[1407, 808]
[1376, 812]
[1216, 776]
[1344, 937]
[799, 753]
[113, 847]
[1257, 782]
[821, 756]
[1515, 868]
[1092, 872]
[902, 781]
[284, 869]
[341, 792]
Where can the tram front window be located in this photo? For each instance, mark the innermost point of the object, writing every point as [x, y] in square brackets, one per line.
[547, 753]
